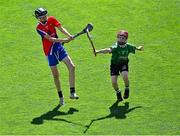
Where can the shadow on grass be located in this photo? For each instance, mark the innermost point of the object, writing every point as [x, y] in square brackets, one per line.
[50, 115]
[119, 112]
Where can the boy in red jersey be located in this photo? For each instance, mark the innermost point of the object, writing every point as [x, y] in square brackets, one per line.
[54, 51]
[119, 62]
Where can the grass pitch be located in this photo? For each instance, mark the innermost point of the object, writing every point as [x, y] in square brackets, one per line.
[28, 99]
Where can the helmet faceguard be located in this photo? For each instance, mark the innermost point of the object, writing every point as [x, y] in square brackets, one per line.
[40, 12]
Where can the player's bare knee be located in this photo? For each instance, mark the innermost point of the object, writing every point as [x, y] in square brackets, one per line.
[125, 78]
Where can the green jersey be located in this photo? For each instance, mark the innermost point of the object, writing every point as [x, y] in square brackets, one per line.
[120, 54]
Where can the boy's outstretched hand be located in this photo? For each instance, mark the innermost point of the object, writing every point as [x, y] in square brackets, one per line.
[140, 48]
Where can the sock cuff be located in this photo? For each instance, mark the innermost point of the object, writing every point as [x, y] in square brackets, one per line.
[72, 89]
[118, 90]
[60, 94]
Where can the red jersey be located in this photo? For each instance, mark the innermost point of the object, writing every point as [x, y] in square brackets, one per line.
[48, 28]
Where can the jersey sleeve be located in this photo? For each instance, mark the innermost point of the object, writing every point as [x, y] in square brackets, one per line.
[41, 33]
[113, 48]
[55, 22]
[131, 48]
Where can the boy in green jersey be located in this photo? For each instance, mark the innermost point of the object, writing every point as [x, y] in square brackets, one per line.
[119, 61]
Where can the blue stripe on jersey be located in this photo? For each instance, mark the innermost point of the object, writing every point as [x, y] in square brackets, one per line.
[41, 33]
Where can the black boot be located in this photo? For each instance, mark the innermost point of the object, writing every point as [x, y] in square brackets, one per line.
[126, 93]
[119, 97]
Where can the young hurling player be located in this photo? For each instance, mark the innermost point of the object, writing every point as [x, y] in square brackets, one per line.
[54, 51]
[119, 62]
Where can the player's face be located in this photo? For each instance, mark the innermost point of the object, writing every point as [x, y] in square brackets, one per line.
[122, 39]
[43, 19]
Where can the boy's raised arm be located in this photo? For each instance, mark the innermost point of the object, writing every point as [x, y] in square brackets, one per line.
[104, 51]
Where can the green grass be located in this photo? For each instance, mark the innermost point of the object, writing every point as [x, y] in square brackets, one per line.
[28, 97]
